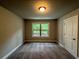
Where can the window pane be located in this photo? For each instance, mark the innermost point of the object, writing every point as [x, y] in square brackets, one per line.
[44, 30]
[36, 26]
[44, 26]
[36, 33]
[44, 33]
[35, 30]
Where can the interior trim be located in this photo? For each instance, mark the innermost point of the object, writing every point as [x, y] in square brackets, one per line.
[61, 45]
[5, 57]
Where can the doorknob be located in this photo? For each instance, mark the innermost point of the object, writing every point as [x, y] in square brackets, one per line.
[74, 39]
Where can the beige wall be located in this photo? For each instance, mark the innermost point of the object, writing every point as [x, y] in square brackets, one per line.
[11, 31]
[60, 25]
[60, 31]
[52, 34]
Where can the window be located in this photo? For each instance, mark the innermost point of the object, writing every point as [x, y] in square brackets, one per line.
[40, 30]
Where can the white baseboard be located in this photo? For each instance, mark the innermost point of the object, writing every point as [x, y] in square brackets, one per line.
[60, 44]
[68, 50]
[5, 57]
[40, 41]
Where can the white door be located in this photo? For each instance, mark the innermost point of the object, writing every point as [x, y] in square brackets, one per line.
[75, 34]
[67, 29]
[70, 31]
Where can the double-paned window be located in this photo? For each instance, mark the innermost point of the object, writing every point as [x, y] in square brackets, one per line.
[40, 30]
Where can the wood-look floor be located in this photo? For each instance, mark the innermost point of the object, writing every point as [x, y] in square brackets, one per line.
[41, 51]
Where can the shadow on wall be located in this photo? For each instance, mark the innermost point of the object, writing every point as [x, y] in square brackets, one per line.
[52, 31]
[11, 31]
[10, 42]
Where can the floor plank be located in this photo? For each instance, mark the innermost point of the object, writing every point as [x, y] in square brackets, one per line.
[41, 51]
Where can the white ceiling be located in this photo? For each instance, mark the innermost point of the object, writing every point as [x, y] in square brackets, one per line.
[24, 8]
